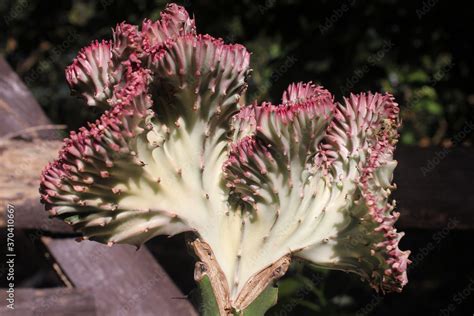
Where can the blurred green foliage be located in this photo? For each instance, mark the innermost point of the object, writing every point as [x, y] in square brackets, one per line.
[418, 50]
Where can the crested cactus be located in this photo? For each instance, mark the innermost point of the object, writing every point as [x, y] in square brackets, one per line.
[174, 151]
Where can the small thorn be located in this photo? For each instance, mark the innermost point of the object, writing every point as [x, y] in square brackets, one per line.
[88, 180]
[104, 174]
[79, 188]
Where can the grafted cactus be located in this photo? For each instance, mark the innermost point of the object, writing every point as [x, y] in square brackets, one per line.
[256, 185]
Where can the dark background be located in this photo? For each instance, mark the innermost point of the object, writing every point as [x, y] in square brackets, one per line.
[421, 51]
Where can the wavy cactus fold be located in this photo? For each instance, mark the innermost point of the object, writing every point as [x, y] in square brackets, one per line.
[174, 152]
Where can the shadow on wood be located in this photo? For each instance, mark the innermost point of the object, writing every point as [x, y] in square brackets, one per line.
[51, 302]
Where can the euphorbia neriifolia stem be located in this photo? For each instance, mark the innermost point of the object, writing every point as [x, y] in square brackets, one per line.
[175, 151]
[256, 298]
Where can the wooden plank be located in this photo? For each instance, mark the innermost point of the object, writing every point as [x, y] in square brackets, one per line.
[51, 302]
[435, 185]
[123, 281]
[21, 163]
[18, 108]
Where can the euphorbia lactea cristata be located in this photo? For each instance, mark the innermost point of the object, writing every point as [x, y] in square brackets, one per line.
[259, 184]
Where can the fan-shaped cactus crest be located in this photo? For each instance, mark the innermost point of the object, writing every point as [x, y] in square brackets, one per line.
[258, 185]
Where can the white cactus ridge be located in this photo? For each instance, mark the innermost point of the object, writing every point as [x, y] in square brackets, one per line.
[173, 152]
